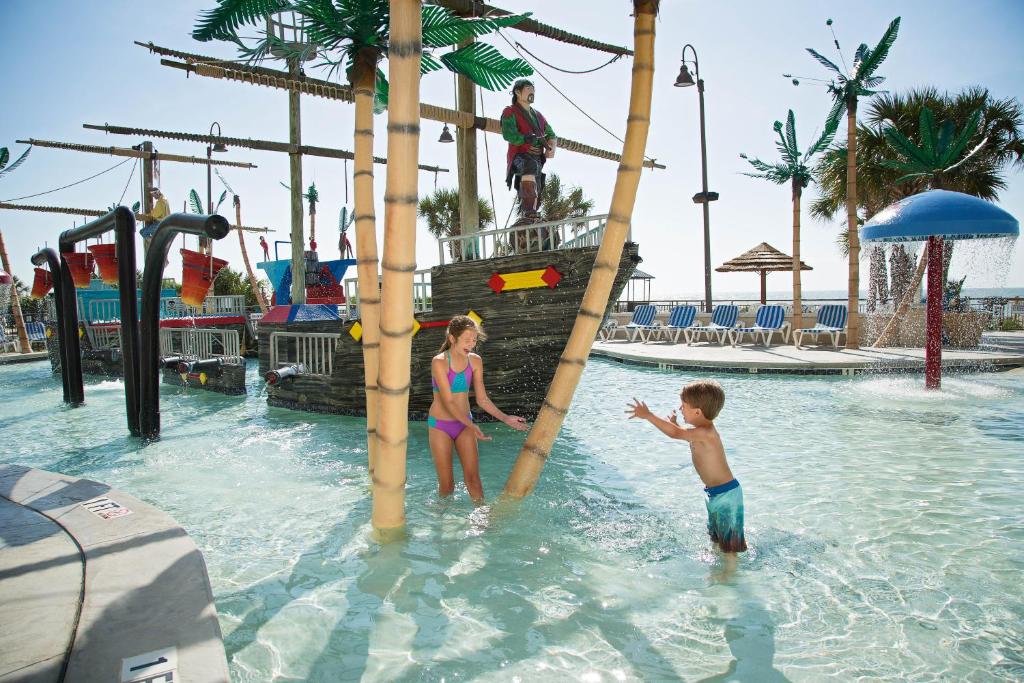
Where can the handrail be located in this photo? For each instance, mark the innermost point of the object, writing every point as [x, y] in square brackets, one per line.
[199, 343]
[422, 293]
[214, 227]
[520, 239]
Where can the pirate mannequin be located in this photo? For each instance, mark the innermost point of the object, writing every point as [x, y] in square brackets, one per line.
[530, 143]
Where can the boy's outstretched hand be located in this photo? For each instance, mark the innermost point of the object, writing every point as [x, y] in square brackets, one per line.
[638, 409]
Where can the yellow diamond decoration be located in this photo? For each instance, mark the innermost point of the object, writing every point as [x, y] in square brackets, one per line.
[415, 326]
[477, 319]
[184, 376]
[202, 378]
[49, 333]
[81, 333]
[356, 331]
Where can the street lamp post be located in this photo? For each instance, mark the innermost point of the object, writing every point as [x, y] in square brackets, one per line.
[704, 197]
[210, 149]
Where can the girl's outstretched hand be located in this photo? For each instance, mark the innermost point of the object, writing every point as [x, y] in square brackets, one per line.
[638, 409]
[517, 423]
[479, 434]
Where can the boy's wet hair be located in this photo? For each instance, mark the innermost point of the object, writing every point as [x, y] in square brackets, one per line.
[706, 394]
[460, 324]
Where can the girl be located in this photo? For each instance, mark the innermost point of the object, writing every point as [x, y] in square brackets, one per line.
[449, 420]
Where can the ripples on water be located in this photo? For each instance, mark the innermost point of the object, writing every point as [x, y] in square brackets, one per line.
[884, 524]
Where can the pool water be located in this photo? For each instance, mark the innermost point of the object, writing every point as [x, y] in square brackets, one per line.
[885, 528]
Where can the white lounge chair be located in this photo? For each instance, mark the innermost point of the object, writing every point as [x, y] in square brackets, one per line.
[831, 321]
[7, 343]
[608, 329]
[643, 320]
[768, 321]
[723, 319]
[680, 321]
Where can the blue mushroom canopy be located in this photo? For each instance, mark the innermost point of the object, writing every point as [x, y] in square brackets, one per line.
[939, 213]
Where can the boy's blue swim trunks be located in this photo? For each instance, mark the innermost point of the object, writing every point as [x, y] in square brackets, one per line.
[725, 516]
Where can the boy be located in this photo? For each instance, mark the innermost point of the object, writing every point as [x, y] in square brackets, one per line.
[701, 403]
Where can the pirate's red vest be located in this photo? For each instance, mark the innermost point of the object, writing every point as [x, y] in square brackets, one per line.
[525, 126]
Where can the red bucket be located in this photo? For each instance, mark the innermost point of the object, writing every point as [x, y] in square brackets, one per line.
[80, 265]
[195, 276]
[42, 283]
[106, 261]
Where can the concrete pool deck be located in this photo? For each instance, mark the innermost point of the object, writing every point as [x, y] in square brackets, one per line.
[98, 586]
[999, 351]
[6, 358]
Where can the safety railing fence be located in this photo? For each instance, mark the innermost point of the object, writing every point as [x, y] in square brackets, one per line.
[314, 350]
[109, 310]
[570, 233]
[199, 343]
[421, 294]
[103, 336]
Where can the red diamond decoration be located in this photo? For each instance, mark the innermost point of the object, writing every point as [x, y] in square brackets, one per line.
[496, 283]
[551, 277]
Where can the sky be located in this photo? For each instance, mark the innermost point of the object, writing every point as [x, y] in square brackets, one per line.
[66, 63]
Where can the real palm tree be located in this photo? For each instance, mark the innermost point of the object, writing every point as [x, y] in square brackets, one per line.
[890, 166]
[793, 169]
[19, 319]
[353, 35]
[398, 266]
[441, 211]
[557, 205]
[537, 448]
[845, 90]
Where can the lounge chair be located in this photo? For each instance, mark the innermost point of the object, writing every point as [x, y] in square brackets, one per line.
[723, 319]
[768, 321]
[6, 342]
[831, 321]
[608, 329]
[36, 332]
[643, 320]
[680, 321]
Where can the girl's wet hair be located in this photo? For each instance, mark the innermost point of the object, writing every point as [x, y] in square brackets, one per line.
[457, 326]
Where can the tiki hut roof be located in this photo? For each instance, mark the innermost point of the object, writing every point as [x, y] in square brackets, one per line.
[764, 257]
[641, 275]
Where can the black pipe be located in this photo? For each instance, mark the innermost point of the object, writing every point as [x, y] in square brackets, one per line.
[49, 256]
[275, 376]
[207, 365]
[170, 362]
[214, 227]
[122, 221]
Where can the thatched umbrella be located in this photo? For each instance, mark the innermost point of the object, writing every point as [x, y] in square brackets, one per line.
[761, 259]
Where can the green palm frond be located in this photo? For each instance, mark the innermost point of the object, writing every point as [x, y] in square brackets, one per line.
[136, 206]
[5, 155]
[906, 148]
[825, 61]
[223, 196]
[345, 219]
[381, 92]
[194, 202]
[781, 144]
[926, 131]
[428, 63]
[442, 27]
[876, 56]
[223, 21]
[947, 131]
[873, 81]
[959, 142]
[794, 150]
[967, 157]
[224, 182]
[485, 66]
[831, 125]
[859, 55]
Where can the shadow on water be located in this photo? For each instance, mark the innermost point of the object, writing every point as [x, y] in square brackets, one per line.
[750, 635]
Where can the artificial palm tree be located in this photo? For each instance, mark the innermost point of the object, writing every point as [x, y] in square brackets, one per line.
[891, 167]
[19, 319]
[312, 196]
[398, 266]
[537, 448]
[354, 35]
[845, 90]
[793, 169]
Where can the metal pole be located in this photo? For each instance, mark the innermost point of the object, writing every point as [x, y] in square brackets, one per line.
[704, 190]
[933, 345]
[49, 256]
[212, 227]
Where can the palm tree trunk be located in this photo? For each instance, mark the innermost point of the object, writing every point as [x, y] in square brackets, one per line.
[398, 265]
[798, 320]
[253, 282]
[853, 286]
[19, 319]
[366, 239]
[893, 326]
[312, 223]
[535, 451]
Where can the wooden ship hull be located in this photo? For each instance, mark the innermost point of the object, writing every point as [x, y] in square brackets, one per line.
[526, 329]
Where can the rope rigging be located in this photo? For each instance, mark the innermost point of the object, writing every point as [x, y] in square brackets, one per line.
[64, 187]
[567, 71]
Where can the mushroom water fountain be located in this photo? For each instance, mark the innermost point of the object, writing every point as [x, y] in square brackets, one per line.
[935, 216]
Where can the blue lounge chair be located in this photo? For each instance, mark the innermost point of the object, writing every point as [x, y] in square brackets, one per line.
[36, 332]
[768, 321]
[680, 321]
[831, 321]
[723, 319]
[643, 319]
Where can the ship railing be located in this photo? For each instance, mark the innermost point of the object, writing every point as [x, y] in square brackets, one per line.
[422, 300]
[103, 337]
[313, 350]
[199, 343]
[109, 310]
[569, 233]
